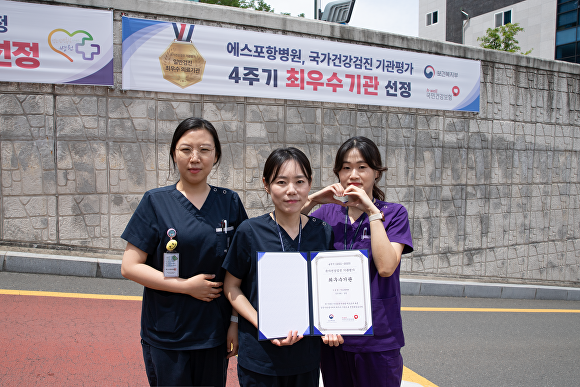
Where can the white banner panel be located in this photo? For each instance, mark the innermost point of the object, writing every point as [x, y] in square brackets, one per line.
[54, 44]
[184, 58]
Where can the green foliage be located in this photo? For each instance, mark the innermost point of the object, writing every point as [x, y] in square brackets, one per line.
[302, 14]
[503, 38]
[258, 5]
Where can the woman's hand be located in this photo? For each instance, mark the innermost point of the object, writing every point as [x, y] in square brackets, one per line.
[232, 340]
[332, 340]
[202, 288]
[358, 198]
[134, 267]
[324, 196]
[292, 338]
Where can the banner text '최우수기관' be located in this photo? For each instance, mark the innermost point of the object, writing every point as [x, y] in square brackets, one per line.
[196, 59]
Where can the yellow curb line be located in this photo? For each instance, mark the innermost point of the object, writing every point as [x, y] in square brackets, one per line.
[410, 376]
[69, 295]
[504, 310]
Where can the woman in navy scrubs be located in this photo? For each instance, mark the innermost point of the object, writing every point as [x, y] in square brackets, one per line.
[293, 361]
[366, 221]
[176, 243]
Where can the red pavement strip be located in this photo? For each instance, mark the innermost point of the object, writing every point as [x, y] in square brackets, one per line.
[58, 341]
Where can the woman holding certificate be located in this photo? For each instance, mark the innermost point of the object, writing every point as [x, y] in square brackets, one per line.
[176, 243]
[361, 219]
[294, 360]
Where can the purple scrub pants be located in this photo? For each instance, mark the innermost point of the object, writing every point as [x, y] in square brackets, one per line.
[349, 369]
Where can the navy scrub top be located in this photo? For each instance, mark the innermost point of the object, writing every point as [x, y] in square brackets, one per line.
[261, 234]
[176, 321]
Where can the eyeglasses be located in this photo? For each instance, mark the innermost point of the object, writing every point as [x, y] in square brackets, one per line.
[187, 152]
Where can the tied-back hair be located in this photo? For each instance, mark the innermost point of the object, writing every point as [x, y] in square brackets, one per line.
[279, 156]
[371, 155]
[194, 123]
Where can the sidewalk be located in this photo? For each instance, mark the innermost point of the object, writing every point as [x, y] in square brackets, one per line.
[28, 262]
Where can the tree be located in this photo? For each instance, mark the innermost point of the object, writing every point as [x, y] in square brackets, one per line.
[503, 38]
[258, 5]
[261, 6]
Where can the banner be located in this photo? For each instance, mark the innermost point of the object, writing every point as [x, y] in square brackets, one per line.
[196, 59]
[54, 44]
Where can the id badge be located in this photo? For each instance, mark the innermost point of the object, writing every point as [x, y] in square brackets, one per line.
[171, 264]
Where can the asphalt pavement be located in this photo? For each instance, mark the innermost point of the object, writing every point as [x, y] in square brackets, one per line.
[492, 342]
[444, 347]
[62, 330]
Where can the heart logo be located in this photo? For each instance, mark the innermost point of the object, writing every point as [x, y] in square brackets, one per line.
[68, 44]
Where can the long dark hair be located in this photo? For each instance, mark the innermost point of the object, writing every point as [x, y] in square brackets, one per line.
[371, 155]
[194, 123]
[279, 156]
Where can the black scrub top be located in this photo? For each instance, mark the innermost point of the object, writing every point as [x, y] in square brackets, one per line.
[261, 234]
[176, 321]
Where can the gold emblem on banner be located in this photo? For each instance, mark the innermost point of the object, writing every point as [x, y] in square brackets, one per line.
[182, 64]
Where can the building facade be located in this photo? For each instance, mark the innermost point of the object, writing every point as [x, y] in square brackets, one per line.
[568, 31]
[462, 21]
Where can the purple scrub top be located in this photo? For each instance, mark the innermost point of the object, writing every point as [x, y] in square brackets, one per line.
[385, 291]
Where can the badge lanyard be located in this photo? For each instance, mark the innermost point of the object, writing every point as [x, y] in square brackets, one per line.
[280, 232]
[355, 233]
[171, 258]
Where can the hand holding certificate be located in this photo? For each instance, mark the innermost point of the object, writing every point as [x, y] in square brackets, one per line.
[315, 293]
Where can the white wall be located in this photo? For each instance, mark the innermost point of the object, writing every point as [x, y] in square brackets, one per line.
[537, 17]
[434, 31]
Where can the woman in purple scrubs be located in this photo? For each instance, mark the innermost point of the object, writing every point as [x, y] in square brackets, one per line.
[366, 221]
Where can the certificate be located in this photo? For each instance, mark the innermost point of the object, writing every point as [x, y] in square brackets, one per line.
[341, 292]
[313, 292]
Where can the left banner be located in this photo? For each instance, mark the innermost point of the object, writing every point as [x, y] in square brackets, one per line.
[55, 44]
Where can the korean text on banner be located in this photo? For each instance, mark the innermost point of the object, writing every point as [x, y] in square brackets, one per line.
[55, 44]
[197, 59]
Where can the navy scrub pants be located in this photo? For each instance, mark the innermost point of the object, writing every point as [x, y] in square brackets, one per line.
[200, 367]
[249, 378]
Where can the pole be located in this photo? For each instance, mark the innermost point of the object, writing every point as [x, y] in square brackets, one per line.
[316, 7]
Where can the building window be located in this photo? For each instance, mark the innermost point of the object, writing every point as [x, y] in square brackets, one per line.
[567, 6]
[503, 18]
[567, 19]
[568, 31]
[432, 18]
[566, 51]
[565, 36]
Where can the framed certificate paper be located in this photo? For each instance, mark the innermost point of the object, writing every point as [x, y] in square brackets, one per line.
[341, 296]
[315, 293]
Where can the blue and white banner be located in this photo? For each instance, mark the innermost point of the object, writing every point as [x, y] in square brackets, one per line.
[196, 59]
[55, 44]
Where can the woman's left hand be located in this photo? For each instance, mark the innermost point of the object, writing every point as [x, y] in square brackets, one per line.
[232, 340]
[332, 340]
[292, 338]
[358, 198]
